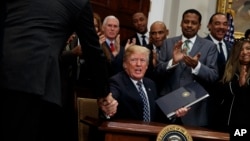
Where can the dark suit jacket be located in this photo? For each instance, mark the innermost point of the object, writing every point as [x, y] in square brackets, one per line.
[137, 39]
[151, 71]
[114, 63]
[130, 103]
[216, 95]
[181, 75]
[221, 65]
[68, 62]
[34, 37]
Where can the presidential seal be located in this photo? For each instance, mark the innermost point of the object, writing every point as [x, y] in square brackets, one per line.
[185, 94]
[174, 133]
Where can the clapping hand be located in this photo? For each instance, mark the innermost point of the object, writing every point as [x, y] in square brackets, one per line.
[191, 61]
[102, 38]
[128, 44]
[243, 74]
[177, 53]
[117, 45]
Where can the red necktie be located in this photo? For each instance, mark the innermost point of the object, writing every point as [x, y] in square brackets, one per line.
[112, 48]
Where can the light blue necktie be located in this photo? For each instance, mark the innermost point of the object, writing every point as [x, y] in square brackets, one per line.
[146, 110]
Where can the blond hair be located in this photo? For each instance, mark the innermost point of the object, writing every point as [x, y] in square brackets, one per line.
[136, 49]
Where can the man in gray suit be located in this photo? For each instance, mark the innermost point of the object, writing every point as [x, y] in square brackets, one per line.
[34, 35]
[187, 61]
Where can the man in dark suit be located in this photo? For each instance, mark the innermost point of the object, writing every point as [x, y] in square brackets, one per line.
[158, 33]
[111, 44]
[218, 27]
[34, 35]
[189, 58]
[125, 101]
[68, 62]
[140, 22]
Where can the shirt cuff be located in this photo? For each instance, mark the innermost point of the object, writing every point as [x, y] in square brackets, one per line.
[170, 66]
[196, 69]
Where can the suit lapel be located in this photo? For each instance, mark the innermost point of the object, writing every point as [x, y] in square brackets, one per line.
[150, 95]
[137, 40]
[131, 88]
[196, 46]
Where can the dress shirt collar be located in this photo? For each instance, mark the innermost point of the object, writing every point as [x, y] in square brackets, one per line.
[216, 41]
[191, 43]
[135, 81]
[191, 39]
[140, 38]
[109, 41]
[139, 35]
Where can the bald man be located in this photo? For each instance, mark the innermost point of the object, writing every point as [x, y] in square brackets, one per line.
[158, 33]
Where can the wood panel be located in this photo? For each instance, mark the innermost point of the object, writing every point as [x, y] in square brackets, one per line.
[140, 131]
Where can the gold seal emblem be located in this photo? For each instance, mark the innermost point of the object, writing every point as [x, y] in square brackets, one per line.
[185, 94]
[174, 133]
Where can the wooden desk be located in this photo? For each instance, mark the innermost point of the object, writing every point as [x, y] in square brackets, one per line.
[139, 131]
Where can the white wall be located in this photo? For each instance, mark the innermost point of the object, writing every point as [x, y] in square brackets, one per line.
[170, 11]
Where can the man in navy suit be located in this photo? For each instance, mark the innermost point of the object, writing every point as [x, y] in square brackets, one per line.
[218, 27]
[34, 35]
[188, 58]
[124, 101]
[111, 44]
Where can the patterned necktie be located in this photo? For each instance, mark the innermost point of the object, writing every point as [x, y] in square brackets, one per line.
[146, 110]
[221, 55]
[186, 46]
[144, 43]
[112, 48]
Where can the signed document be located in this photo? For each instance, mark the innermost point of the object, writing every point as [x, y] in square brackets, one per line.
[185, 96]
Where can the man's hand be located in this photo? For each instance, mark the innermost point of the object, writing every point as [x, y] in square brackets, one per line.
[102, 38]
[108, 105]
[181, 112]
[117, 45]
[191, 61]
[77, 51]
[128, 44]
[177, 53]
